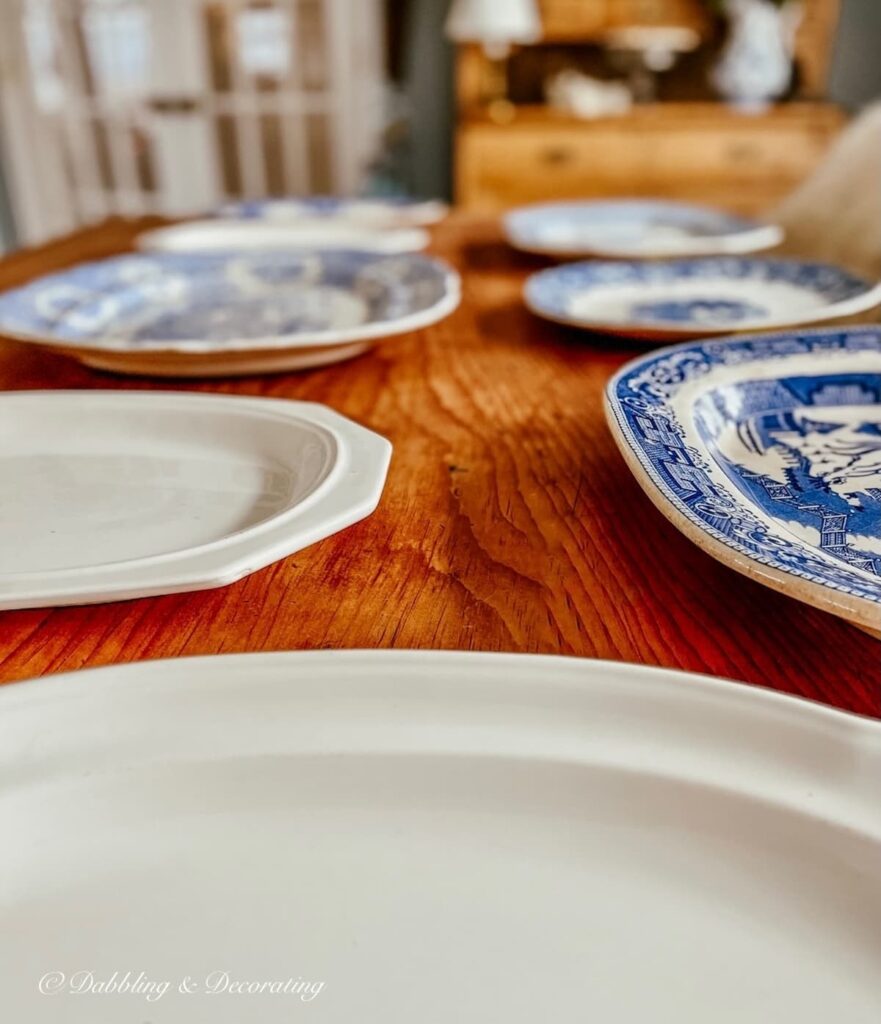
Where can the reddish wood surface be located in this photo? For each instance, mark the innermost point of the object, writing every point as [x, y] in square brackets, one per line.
[509, 521]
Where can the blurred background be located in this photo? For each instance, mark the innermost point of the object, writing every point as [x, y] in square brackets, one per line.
[129, 107]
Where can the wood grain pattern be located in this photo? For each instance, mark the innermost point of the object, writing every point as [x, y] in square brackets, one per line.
[509, 521]
[702, 152]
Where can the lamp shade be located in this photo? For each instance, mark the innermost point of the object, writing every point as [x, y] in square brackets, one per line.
[495, 23]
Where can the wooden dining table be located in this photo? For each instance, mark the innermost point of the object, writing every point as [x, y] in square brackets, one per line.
[509, 521]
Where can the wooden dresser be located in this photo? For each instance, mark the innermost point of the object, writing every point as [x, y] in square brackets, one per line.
[698, 149]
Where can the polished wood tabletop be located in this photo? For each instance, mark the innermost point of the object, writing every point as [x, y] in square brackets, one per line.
[509, 521]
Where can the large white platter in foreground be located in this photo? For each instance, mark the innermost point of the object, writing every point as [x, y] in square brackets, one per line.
[112, 495]
[405, 836]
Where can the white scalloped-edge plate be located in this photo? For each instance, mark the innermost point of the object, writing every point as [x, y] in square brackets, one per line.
[118, 494]
[414, 836]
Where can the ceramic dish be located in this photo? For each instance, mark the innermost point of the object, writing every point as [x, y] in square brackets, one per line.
[113, 495]
[211, 314]
[378, 212]
[414, 836]
[766, 451]
[233, 236]
[676, 299]
[636, 229]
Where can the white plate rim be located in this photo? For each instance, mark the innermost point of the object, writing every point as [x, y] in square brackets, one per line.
[743, 739]
[349, 492]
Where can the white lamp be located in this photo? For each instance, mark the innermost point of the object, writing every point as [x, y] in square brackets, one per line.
[496, 25]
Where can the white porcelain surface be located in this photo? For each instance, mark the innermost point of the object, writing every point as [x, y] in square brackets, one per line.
[435, 837]
[755, 66]
[112, 495]
[228, 235]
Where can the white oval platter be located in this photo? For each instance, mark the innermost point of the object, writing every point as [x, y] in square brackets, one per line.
[634, 229]
[415, 836]
[118, 494]
[227, 235]
[212, 314]
[766, 452]
[677, 299]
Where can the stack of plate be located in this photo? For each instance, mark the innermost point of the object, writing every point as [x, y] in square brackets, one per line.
[677, 272]
[197, 491]
[324, 222]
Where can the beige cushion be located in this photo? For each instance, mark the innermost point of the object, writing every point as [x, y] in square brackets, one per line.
[836, 214]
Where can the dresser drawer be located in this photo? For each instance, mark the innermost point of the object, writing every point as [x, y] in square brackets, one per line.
[749, 161]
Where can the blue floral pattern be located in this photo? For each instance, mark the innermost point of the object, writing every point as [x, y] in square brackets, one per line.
[698, 311]
[543, 222]
[800, 450]
[139, 301]
[551, 291]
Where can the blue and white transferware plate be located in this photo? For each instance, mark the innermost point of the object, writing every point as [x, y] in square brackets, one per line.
[217, 314]
[766, 451]
[675, 299]
[635, 229]
[375, 212]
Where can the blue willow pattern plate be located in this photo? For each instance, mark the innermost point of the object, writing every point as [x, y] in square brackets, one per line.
[766, 451]
[696, 297]
[635, 228]
[201, 303]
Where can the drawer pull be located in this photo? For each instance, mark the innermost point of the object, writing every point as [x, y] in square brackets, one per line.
[558, 155]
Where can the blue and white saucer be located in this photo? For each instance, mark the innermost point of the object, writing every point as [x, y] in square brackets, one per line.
[766, 452]
[213, 314]
[379, 212]
[674, 299]
[635, 229]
